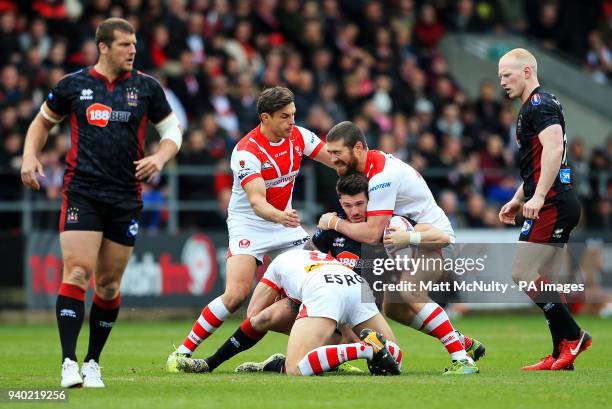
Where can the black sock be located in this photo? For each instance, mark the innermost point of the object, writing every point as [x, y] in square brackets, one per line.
[69, 311]
[244, 338]
[102, 317]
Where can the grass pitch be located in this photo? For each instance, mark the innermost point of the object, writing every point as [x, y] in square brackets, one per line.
[134, 358]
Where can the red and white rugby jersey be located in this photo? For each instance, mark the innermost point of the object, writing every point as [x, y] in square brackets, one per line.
[395, 187]
[292, 269]
[277, 163]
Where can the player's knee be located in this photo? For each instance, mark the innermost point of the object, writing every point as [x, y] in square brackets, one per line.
[77, 274]
[234, 298]
[262, 321]
[107, 291]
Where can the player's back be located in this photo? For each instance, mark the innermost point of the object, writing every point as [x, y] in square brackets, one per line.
[292, 269]
[395, 187]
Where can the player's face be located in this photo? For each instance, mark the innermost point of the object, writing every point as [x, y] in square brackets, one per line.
[511, 78]
[281, 122]
[122, 51]
[355, 207]
[344, 158]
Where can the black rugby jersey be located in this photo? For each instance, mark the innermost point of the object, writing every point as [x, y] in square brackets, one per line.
[540, 111]
[108, 123]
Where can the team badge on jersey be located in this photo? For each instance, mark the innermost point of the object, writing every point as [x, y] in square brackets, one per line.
[536, 100]
[72, 215]
[131, 96]
[526, 226]
[298, 150]
[244, 243]
[132, 230]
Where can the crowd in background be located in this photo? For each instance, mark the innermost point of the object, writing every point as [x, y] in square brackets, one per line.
[375, 63]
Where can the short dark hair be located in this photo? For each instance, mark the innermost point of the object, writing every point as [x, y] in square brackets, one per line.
[273, 99]
[105, 33]
[348, 132]
[352, 184]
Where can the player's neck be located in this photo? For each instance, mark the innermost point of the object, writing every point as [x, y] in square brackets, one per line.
[361, 161]
[107, 71]
[528, 90]
[268, 134]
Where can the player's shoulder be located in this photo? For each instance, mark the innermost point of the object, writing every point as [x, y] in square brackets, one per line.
[248, 143]
[542, 99]
[72, 77]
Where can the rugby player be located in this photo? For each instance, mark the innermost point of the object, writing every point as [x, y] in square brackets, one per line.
[261, 220]
[394, 187]
[549, 205]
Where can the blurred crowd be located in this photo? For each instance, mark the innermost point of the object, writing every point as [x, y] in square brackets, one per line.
[375, 63]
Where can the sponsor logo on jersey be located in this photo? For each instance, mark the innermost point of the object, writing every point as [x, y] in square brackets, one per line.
[300, 241]
[285, 180]
[131, 95]
[280, 154]
[72, 215]
[339, 242]
[86, 95]
[536, 100]
[266, 165]
[132, 230]
[244, 173]
[98, 114]
[526, 226]
[379, 186]
[348, 259]
[244, 243]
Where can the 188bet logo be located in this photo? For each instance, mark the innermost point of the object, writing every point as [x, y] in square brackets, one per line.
[98, 114]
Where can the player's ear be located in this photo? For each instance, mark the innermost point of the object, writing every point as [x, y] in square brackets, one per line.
[264, 117]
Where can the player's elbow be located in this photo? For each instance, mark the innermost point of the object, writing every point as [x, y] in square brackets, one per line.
[373, 237]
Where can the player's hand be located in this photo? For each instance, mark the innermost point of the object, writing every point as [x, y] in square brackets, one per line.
[532, 207]
[29, 167]
[508, 212]
[325, 220]
[148, 167]
[290, 218]
[396, 239]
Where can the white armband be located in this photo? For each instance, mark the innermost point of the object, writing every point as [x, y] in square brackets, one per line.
[48, 117]
[169, 128]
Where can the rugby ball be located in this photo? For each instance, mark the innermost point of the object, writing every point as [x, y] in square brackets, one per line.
[402, 224]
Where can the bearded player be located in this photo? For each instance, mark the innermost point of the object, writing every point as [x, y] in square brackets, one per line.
[394, 187]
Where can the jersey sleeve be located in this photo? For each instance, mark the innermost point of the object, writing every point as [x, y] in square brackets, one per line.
[271, 277]
[312, 143]
[322, 240]
[546, 114]
[159, 108]
[245, 166]
[382, 192]
[58, 98]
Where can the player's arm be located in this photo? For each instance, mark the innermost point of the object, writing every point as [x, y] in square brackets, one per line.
[424, 234]
[324, 157]
[369, 232]
[315, 148]
[35, 140]
[551, 139]
[171, 140]
[507, 213]
[256, 193]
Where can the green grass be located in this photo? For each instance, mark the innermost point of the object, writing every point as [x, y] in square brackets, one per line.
[134, 359]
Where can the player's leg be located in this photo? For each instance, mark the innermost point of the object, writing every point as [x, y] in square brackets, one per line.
[379, 324]
[278, 317]
[112, 260]
[431, 319]
[240, 271]
[79, 254]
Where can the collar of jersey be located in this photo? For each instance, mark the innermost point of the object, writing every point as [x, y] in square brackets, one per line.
[96, 74]
[262, 138]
